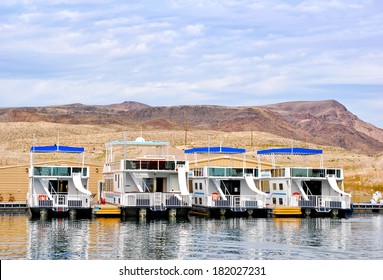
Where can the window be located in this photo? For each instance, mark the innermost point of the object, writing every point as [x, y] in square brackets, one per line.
[200, 186]
[274, 186]
[280, 201]
[274, 200]
[196, 200]
[280, 186]
[265, 186]
[200, 200]
[196, 186]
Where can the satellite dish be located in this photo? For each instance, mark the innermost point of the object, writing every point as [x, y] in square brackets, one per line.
[140, 139]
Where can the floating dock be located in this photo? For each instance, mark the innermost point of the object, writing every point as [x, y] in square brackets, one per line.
[106, 210]
[13, 207]
[287, 211]
[367, 206]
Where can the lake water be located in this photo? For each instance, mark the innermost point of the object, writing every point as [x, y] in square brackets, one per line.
[359, 237]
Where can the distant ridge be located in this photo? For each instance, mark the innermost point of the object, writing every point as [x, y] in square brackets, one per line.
[321, 122]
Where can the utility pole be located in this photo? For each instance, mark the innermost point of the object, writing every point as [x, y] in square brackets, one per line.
[251, 142]
[186, 128]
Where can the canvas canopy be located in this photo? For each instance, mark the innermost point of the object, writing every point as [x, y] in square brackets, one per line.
[55, 149]
[215, 150]
[290, 151]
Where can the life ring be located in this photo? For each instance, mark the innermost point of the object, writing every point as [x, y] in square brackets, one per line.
[42, 197]
[214, 196]
[296, 194]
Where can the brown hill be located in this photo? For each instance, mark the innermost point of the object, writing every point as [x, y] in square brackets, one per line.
[322, 122]
[331, 122]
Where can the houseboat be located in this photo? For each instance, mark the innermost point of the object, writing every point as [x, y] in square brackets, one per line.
[147, 186]
[225, 190]
[304, 191]
[58, 190]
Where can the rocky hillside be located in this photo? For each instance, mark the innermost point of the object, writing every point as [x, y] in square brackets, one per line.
[322, 122]
[331, 122]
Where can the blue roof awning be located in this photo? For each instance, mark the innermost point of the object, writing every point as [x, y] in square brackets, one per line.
[54, 149]
[215, 150]
[290, 151]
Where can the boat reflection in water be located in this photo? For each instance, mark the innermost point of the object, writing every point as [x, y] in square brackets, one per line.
[198, 238]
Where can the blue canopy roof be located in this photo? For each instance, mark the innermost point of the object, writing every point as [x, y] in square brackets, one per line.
[290, 151]
[215, 150]
[54, 149]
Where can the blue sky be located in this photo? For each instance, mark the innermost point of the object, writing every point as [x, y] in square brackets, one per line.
[193, 52]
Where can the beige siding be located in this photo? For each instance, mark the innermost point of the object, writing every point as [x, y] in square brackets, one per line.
[14, 179]
[227, 162]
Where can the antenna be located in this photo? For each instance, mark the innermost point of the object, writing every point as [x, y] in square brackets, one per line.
[208, 152]
[32, 159]
[251, 141]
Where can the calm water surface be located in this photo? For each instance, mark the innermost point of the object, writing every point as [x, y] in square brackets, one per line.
[358, 237]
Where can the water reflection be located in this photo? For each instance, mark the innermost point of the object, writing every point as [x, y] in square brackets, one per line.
[111, 238]
[58, 239]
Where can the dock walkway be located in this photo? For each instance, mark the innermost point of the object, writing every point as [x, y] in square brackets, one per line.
[367, 206]
[13, 207]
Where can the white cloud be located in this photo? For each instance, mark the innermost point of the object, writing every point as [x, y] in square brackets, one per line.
[195, 29]
[188, 51]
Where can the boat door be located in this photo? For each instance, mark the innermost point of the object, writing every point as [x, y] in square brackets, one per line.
[58, 186]
[312, 187]
[161, 185]
[59, 191]
[232, 187]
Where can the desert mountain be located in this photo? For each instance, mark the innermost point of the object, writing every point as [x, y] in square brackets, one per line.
[321, 122]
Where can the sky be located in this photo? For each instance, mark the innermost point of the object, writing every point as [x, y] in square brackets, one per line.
[191, 52]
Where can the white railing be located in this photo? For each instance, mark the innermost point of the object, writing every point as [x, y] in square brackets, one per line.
[157, 199]
[60, 200]
[319, 201]
[237, 201]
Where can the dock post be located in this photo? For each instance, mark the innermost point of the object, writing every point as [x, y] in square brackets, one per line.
[222, 212]
[307, 213]
[142, 213]
[334, 213]
[250, 212]
[72, 213]
[43, 213]
[172, 213]
[123, 213]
